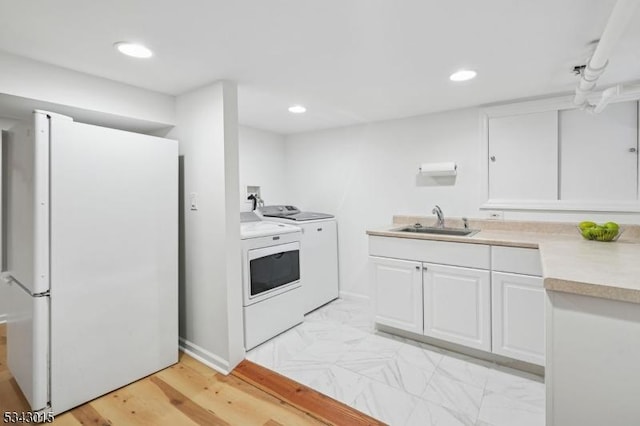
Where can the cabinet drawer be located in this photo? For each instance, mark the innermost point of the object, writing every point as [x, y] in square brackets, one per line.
[443, 252]
[516, 260]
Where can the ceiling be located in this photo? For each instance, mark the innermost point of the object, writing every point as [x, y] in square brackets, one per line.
[347, 61]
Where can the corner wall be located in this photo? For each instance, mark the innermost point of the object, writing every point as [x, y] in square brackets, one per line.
[263, 164]
[210, 286]
[39, 81]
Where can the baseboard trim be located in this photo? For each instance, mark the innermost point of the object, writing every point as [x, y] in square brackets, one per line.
[205, 357]
[464, 350]
[347, 295]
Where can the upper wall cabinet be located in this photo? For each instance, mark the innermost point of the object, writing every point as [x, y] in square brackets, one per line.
[599, 154]
[546, 155]
[523, 157]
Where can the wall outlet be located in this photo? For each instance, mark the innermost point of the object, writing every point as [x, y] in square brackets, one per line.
[495, 215]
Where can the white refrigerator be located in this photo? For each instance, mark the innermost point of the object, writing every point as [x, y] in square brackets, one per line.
[91, 258]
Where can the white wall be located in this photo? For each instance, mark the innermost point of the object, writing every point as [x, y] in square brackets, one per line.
[5, 123]
[263, 164]
[31, 79]
[365, 174]
[210, 277]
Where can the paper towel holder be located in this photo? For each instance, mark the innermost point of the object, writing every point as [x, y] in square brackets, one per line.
[439, 169]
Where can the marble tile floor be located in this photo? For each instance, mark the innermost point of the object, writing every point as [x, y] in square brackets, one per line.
[399, 381]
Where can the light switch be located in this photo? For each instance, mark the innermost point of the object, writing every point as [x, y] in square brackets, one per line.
[193, 200]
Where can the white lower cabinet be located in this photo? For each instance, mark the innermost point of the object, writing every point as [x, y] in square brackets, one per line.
[518, 316]
[457, 305]
[397, 288]
[482, 297]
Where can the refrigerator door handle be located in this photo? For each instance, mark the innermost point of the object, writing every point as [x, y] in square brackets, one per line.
[10, 280]
[6, 277]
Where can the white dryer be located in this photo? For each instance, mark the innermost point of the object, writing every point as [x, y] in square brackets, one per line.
[272, 296]
[318, 252]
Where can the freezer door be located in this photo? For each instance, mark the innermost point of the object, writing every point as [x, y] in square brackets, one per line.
[28, 344]
[114, 259]
[27, 203]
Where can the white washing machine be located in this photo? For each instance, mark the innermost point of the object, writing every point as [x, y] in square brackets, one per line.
[272, 295]
[319, 252]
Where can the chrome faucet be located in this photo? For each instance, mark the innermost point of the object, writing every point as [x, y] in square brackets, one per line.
[438, 211]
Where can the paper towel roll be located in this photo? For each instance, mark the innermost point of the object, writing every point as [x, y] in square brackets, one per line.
[439, 169]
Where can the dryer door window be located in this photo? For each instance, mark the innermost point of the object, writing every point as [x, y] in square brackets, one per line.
[273, 268]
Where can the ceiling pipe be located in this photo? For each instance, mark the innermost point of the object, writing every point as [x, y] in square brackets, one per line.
[607, 96]
[618, 20]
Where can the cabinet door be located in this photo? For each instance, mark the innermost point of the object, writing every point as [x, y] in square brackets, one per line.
[523, 157]
[518, 316]
[319, 264]
[457, 305]
[397, 293]
[599, 154]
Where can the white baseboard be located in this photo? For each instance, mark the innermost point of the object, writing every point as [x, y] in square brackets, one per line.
[347, 295]
[205, 357]
[3, 318]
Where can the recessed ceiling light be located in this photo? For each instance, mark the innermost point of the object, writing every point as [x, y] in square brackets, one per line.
[462, 75]
[133, 49]
[297, 109]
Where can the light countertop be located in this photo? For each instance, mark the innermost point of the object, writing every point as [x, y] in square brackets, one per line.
[570, 264]
[604, 270]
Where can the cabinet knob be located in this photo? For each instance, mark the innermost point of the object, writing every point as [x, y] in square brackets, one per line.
[319, 229]
[632, 150]
[417, 268]
[493, 158]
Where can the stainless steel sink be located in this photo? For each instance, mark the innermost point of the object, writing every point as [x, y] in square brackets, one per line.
[460, 232]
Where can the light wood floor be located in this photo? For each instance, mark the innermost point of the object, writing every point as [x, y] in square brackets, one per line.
[192, 393]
